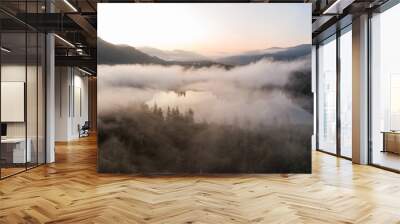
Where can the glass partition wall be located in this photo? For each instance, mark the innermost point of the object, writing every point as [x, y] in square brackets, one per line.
[13, 110]
[22, 77]
[334, 93]
[385, 89]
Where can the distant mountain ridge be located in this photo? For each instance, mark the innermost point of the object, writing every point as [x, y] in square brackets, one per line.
[113, 54]
[276, 54]
[123, 54]
[174, 55]
[263, 51]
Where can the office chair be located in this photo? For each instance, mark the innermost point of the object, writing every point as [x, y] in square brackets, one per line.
[84, 130]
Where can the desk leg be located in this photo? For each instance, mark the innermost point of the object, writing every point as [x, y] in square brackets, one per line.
[384, 142]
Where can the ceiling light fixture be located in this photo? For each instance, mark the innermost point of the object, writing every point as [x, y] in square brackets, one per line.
[80, 51]
[64, 40]
[337, 7]
[5, 50]
[327, 11]
[84, 71]
[70, 5]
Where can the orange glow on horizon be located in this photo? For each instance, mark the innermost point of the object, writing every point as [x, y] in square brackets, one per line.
[208, 29]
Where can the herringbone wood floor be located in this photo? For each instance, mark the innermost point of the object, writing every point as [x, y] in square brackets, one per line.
[70, 191]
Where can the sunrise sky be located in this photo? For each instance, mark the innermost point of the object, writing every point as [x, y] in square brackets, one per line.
[208, 29]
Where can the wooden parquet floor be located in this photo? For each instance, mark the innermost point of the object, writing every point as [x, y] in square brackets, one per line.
[70, 191]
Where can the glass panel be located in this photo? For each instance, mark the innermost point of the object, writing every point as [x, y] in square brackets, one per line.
[31, 98]
[31, 86]
[346, 94]
[41, 98]
[327, 96]
[385, 84]
[13, 89]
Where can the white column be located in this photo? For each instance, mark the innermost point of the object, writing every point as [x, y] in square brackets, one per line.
[50, 98]
[314, 91]
[62, 103]
[360, 89]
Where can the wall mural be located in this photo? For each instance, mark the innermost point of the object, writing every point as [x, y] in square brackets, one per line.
[204, 88]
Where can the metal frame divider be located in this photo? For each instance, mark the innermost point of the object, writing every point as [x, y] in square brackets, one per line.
[338, 98]
[0, 92]
[26, 87]
[369, 77]
[316, 97]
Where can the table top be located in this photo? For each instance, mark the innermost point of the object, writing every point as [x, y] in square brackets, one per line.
[13, 140]
[391, 132]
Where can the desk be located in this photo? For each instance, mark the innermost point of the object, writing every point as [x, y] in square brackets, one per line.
[391, 141]
[15, 148]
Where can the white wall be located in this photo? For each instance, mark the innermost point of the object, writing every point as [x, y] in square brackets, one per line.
[33, 127]
[80, 109]
[12, 73]
[70, 84]
[13, 101]
[62, 82]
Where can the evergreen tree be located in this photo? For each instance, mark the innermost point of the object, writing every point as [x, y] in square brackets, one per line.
[155, 108]
[189, 117]
[168, 116]
[160, 113]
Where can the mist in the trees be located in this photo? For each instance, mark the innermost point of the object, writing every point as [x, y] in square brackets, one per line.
[170, 119]
[144, 139]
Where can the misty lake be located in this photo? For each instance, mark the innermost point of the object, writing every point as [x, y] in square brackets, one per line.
[173, 119]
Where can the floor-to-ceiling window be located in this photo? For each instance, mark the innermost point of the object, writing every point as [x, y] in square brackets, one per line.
[385, 89]
[327, 95]
[345, 91]
[22, 77]
[334, 93]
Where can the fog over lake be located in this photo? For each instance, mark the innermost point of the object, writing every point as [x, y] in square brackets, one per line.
[246, 95]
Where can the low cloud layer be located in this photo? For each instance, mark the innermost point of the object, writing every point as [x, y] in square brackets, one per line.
[250, 94]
